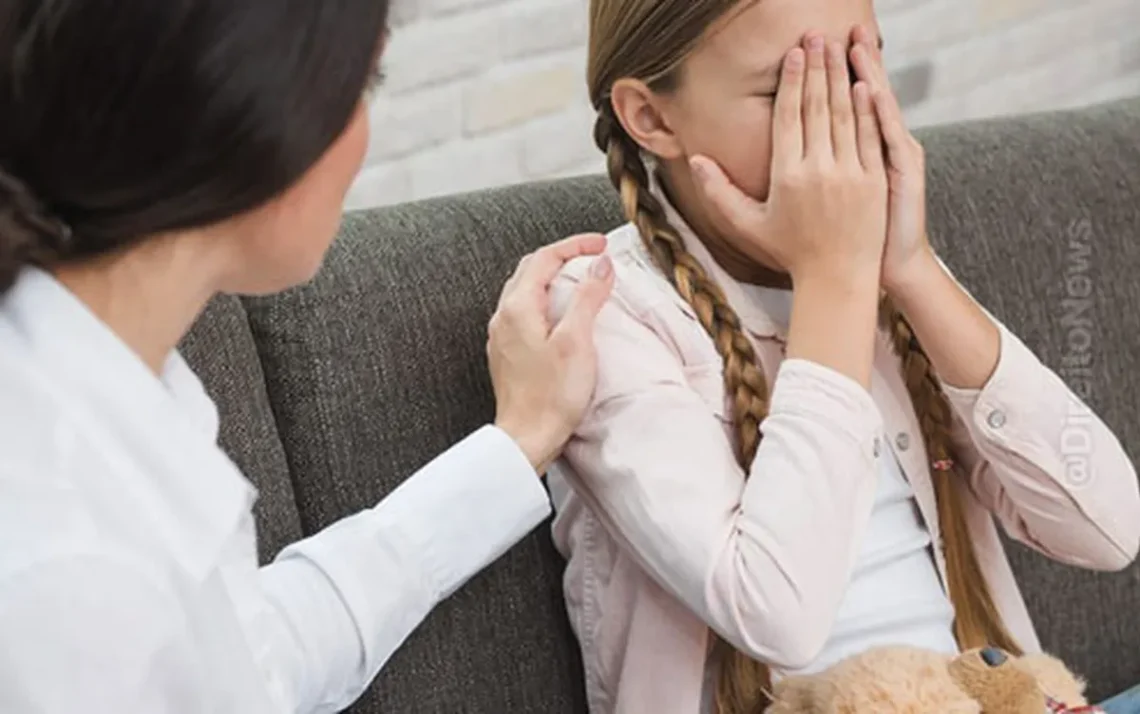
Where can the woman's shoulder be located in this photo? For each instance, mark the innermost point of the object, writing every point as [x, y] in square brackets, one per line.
[50, 524]
[33, 419]
[40, 485]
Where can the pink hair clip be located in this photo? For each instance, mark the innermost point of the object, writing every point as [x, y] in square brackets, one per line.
[943, 465]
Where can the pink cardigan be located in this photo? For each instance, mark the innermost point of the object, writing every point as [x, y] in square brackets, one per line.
[666, 539]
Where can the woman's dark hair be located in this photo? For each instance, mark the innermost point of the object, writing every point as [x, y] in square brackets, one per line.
[120, 119]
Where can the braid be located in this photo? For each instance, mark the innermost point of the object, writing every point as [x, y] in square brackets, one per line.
[977, 622]
[744, 380]
[743, 682]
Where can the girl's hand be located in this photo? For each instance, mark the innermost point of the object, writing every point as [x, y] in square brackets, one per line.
[908, 249]
[826, 213]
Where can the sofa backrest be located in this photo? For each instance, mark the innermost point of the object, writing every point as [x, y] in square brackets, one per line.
[378, 365]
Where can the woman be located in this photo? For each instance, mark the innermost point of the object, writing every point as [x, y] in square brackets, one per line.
[153, 155]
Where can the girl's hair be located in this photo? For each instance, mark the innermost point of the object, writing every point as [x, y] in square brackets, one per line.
[649, 40]
[121, 119]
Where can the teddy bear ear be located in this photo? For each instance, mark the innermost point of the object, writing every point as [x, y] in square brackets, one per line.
[1054, 678]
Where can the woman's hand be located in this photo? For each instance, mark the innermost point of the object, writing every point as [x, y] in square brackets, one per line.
[908, 252]
[544, 374]
[827, 205]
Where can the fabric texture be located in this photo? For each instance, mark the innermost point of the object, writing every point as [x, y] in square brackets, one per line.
[1123, 703]
[666, 540]
[117, 505]
[1039, 218]
[1052, 706]
[220, 349]
[378, 366]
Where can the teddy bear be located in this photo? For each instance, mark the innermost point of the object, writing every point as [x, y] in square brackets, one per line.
[905, 680]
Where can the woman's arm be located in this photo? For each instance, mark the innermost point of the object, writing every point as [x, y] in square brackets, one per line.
[763, 562]
[339, 604]
[342, 602]
[1049, 468]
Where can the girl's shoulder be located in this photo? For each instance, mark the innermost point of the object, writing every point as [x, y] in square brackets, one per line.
[640, 287]
[644, 314]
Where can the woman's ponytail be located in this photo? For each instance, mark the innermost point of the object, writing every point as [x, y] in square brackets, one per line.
[29, 234]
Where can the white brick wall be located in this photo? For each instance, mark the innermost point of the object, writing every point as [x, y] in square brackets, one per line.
[489, 92]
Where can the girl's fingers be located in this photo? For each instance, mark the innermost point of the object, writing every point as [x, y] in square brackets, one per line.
[867, 128]
[730, 205]
[887, 110]
[843, 137]
[866, 68]
[817, 113]
[895, 134]
[787, 121]
[869, 68]
[862, 36]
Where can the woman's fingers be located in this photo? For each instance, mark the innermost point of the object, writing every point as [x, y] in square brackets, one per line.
[578, 323]
[787, 121]
[537, 270]
[867, 128]
[843, 138]
[817, 113]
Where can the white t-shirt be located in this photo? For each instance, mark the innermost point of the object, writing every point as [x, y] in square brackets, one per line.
[895, 595]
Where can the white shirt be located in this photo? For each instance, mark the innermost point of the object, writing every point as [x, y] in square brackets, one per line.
[128, 572]
[895, 595]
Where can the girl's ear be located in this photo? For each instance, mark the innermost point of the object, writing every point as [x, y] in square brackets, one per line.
[641, 113]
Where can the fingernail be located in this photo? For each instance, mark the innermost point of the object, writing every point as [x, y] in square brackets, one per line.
[601, 268]
[699, 168]
[795, 58]
[816, 43]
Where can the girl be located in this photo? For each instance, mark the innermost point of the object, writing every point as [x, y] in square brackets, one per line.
[151, 156]
[802, 424]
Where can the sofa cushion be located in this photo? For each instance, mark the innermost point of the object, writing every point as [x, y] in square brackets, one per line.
[221, 351]
[1040, 217]
[378, 366]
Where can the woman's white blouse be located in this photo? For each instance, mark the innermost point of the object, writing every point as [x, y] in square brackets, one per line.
[129, 579]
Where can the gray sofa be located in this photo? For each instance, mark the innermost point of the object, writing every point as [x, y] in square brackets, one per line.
[333, 393]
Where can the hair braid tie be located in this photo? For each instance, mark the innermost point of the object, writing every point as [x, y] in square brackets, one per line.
[977, 620]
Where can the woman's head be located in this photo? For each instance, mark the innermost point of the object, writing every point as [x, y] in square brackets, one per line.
[124, 121]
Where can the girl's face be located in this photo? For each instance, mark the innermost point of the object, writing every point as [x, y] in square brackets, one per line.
[722, 106]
